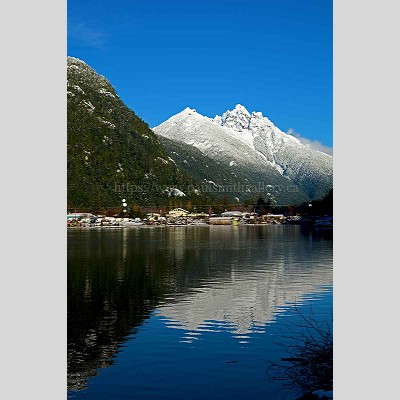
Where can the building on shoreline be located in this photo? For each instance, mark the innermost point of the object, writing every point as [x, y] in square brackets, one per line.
[180, 216]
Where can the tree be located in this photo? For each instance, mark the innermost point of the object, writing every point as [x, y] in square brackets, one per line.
[247, 203]
[189, 206]
[136, 212]
[261, 206]
[309, 365]
[317, 207]
[225, 203]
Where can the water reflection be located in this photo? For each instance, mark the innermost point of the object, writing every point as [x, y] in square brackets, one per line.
[261, 276]
[197, 279]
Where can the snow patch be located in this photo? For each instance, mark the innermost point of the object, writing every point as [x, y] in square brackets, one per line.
[161, 160]
[106, 93]
[105, 122]
[106, 140]
[78, 89]
[89, 106]
[175, 192]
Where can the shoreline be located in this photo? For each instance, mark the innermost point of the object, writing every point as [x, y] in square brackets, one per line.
[181, 226]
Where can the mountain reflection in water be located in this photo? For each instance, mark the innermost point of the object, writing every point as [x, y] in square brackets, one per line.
[196, 279]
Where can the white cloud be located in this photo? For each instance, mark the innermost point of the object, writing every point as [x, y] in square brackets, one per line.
[87, 35]
[313, 144]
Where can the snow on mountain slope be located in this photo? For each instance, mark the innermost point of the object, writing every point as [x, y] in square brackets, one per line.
[306, 167]
[251, 142]
[199, 131]
[234, 151]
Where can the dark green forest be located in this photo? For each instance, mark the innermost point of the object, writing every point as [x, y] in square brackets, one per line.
[111, 152]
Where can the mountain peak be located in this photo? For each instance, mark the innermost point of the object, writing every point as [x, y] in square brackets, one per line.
[189, 110]
[76, 60]
[254, 144]
[257, 114]
[238, 118]
[240, 108]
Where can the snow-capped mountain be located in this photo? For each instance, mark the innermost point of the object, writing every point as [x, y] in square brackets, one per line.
[253, 145]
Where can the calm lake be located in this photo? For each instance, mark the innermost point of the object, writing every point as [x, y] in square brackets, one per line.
[189, 312]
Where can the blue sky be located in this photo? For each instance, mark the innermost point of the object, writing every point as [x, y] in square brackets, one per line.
[273, 56]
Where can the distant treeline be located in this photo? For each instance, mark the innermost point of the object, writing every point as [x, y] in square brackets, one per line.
[258, 205]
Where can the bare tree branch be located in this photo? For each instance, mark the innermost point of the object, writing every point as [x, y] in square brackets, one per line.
[309, 345]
